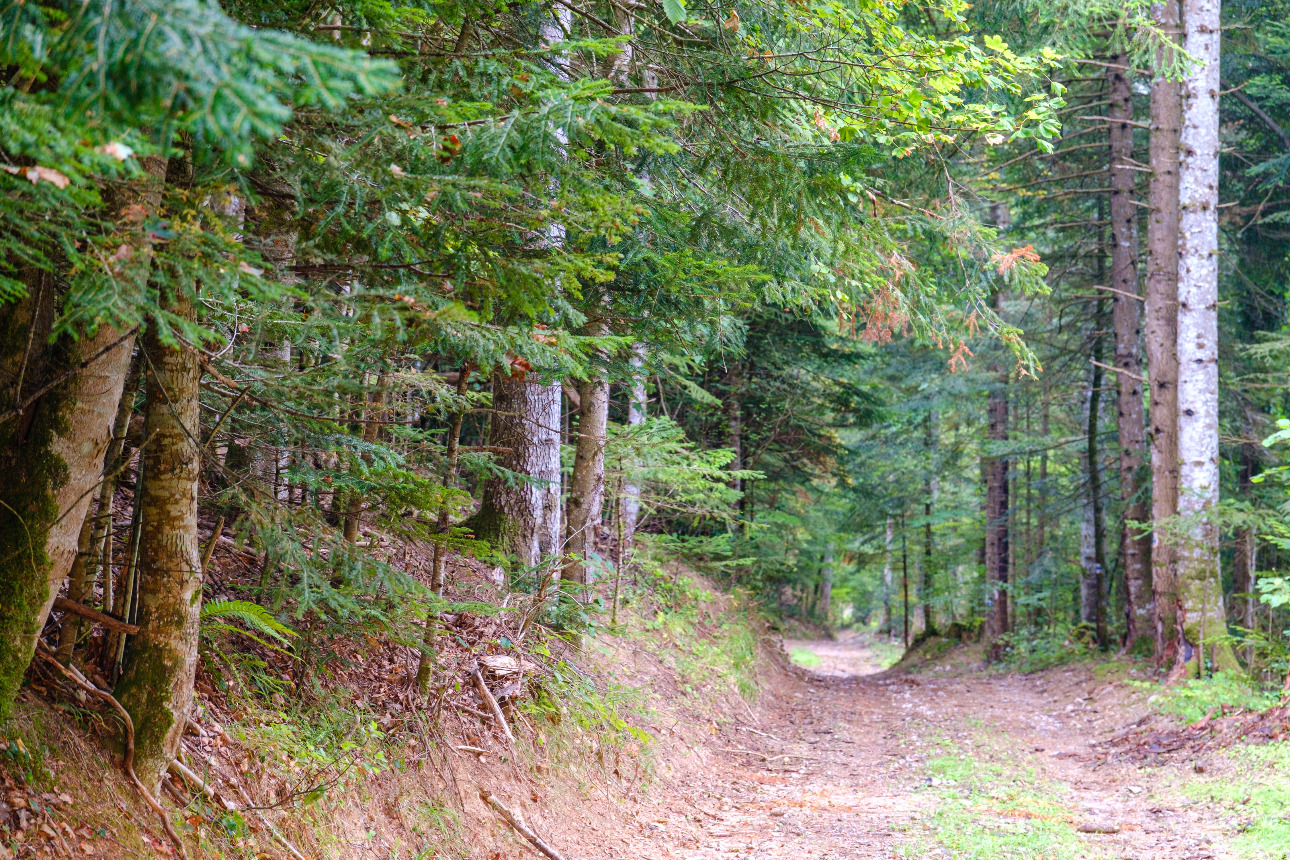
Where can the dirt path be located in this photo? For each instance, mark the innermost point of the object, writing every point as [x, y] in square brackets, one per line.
[938, 762]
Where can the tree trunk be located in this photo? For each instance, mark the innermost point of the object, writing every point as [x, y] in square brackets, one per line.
[587, 485]
[825, 605]
[156, 686]
[997, 552]
[1126, 320]
[512, 514]
[1093, 531]
[1245, 549]
[371, 432]
[884, 627]
[931, 488]
[442, 526]
[55, 446]
[1200, 589]
[734, 421]
[631, 501]
[1162, 337]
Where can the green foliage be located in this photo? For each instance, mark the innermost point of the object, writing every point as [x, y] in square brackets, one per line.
[1032, 650]
[1194, 698]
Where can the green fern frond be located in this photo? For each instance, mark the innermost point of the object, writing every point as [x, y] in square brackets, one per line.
[253, 615]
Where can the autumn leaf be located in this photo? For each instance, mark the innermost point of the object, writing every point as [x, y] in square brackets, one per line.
[732, 23]
[1009, 260]
[36, 174]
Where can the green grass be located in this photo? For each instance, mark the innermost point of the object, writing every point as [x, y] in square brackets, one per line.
[995, 810]
[805, 657]
[1252, 783]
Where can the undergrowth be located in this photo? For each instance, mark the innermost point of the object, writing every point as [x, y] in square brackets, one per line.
[1037, 648]
[1194, 698]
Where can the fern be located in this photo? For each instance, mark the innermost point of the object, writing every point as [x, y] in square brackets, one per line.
[254, 616]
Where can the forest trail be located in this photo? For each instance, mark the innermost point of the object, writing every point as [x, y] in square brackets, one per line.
[934, 761]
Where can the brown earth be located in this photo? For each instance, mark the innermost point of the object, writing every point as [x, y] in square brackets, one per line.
[839, 762]
[835, 766]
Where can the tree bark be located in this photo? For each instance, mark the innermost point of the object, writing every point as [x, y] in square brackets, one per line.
[1200, 590]
[997, 552]
[825, 605]
[1245, 548]
[56, 444]
[631, 501]
[1162, 337]
[160, 665]
[734, 421]
[884, 627]
[371, 433]
[512, 515]
[1135, 553]
[1092, 529]
[587, 484]
[932, 489]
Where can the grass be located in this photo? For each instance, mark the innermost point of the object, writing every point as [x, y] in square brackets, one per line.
[1253, 784]
[805, 658]
[995, 810]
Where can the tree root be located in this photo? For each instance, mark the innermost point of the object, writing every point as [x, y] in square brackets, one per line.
[127, 760]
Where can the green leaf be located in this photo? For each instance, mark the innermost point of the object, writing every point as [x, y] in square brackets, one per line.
[675, 10]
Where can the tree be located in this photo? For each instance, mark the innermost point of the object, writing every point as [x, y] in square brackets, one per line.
[1162, 331]
[1135, 557]
[1200, 592]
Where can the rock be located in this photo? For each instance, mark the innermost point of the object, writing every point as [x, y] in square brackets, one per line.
[1098, 827]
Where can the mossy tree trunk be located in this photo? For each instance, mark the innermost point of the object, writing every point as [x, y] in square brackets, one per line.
[160, 665]
[66, 397]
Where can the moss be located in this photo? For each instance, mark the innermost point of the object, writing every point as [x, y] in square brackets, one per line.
[30, 476]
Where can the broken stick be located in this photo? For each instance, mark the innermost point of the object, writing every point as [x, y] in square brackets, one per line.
[492, 704]
[515, 821]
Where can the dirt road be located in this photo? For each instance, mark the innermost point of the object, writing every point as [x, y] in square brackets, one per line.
[942, 761]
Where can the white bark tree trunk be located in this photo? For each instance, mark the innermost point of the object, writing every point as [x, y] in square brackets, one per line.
[1199, 586]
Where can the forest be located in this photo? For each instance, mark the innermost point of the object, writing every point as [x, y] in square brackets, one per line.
[326, 322]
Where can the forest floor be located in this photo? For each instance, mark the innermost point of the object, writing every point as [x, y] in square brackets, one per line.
[938, 759]
[655, 754]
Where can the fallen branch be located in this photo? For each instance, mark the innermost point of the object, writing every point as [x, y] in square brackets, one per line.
[269, 824]
[466, 709]
[492, 704]
[515, 821]
[111, 622]
[127, 760]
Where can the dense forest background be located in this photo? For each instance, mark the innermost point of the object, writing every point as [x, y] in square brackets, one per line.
[863, 308]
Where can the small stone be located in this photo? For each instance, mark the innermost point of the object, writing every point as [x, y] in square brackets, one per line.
[1098, 827]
